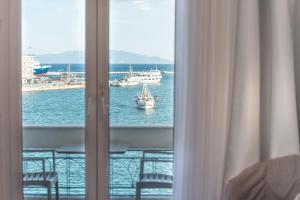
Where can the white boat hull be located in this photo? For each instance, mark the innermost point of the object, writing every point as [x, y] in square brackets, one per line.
[137, 78]
[150, 81]
[132, 83]
[145, 104]
[123, 84]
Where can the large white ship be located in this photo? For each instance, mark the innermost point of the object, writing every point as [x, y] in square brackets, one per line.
[32, 68]
[136, 78]
[28, 63]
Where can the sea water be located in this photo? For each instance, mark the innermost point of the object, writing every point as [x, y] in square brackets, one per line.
[67, 108]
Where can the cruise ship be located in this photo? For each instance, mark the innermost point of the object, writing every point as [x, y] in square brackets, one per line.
[31, 68]
[136, 78]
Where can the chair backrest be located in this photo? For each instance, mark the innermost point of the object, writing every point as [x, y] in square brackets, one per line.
[31, 154]
[155, 157]
[41, 160]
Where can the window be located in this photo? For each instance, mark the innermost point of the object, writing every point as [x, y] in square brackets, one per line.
[141, 93]
[56, 88]
[53, 97]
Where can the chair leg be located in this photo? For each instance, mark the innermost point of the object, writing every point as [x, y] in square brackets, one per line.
[138, 192]
[49, 191]
[57, 190]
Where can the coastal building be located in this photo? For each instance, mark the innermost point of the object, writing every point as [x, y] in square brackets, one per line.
[31, 68]
[28, 63]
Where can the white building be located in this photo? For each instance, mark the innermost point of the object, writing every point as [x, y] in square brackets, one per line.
[28, 63]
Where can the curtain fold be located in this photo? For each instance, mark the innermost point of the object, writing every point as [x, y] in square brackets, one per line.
[243, 146]
[279, 123]
[203, 66]
[238, 90]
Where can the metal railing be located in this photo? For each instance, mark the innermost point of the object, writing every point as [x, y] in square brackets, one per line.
[124, 172]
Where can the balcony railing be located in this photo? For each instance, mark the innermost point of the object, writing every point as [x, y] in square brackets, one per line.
[124, 172]
[124, 167]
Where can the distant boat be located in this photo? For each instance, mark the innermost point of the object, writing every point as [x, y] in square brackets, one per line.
[145, 100]
[136, 78]
[168, 72]
[41, 70]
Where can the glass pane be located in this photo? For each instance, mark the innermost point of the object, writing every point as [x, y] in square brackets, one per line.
[141, 98]
[53, 98]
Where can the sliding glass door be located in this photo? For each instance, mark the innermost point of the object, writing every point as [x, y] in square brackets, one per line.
[141, 94]
[76, 145]
[53, 98]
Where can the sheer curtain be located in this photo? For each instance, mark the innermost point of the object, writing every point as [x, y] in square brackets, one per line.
[238, 78]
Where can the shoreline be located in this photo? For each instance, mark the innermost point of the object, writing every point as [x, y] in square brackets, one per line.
[52, 87]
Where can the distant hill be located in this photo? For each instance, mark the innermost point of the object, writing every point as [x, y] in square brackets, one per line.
[119, 57]
[116, 57]
[70, 57]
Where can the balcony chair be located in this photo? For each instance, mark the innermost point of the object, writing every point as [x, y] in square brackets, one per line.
[154, 179]
[43, 179]
[277, 179]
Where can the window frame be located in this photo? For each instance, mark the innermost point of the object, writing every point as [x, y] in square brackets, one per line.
[96, 130]
[97, 97]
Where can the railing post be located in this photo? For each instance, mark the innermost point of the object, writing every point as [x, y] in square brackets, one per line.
[53, 161]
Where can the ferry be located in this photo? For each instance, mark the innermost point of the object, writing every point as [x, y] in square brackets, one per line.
[145, 100]
[31, 67]
[168, 72]
[137, 78]
[39, 70]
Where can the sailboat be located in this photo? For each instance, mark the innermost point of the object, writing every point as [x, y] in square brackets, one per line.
[145, 100]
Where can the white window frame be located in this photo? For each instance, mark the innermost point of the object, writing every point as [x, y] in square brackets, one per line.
[97, 130]
[96, 134]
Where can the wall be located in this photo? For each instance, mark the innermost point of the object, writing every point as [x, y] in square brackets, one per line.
[129, 137]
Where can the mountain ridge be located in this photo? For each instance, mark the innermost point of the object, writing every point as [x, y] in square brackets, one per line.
[116, 57]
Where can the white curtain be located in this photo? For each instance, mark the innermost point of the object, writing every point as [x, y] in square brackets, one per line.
[238, 90]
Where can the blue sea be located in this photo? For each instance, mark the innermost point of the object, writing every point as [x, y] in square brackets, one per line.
[67, 107]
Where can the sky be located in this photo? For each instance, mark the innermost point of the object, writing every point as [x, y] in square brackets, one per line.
[145, 27]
